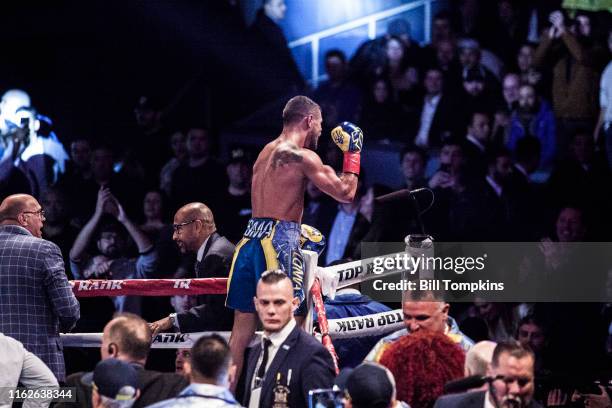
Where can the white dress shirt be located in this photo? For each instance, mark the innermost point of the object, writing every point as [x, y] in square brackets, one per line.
[521, 170]
[277, 340]
[496, 187]
[476, 142]
[430, 104]
[487, 402]
[200, 253]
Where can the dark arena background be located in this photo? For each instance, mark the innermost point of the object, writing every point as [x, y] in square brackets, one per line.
[483, 129]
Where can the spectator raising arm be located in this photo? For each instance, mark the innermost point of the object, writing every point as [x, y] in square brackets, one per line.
[142, 241]
[84, 238]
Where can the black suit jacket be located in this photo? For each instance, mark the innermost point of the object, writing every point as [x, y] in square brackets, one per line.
[444, 122]
[475, 399]
[526, 209]
[211, 313]
[310, 363]
[476, 160]
[484, 215]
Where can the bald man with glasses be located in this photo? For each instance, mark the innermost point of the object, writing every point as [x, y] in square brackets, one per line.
[195, 232]
[37, 301]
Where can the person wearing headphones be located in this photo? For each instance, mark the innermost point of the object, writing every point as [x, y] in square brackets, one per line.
[127, 338]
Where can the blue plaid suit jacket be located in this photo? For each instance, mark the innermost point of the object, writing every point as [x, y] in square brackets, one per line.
[36, 300]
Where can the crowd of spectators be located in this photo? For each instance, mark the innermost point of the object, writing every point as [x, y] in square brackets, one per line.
[506, 115]
[503, 117]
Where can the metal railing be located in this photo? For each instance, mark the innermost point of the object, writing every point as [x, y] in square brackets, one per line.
[371, 21]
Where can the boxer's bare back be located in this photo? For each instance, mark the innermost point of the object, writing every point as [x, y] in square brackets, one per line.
[279, 179]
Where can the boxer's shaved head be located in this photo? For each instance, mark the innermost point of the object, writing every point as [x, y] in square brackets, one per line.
[297, 108]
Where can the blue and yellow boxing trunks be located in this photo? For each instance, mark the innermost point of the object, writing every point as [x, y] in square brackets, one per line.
[266, 244]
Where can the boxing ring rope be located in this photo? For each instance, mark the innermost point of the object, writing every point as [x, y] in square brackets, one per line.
[161, 341]
[331, 278]
[346, 328]
[320, 280]
[149, 287]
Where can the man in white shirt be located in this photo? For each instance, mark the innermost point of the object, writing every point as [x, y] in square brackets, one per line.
[433, 86]
[437, 120]
[478, 142]
[289, 362]
[500, 166]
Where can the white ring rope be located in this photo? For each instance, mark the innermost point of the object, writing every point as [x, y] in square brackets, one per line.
[331, 278]
[350, 327]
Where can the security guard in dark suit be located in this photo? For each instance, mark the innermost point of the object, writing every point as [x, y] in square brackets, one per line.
[288, 362]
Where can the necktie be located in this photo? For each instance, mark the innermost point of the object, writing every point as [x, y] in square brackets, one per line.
[261, 372]
[196, 268]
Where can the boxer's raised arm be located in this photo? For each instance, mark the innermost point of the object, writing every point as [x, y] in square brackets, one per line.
[341, 187]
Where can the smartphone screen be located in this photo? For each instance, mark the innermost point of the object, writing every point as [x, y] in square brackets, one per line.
[325, 398]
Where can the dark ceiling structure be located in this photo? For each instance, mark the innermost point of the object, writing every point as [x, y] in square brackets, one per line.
[86, 63]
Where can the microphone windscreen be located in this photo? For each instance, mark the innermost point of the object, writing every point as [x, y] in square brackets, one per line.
[399, 194]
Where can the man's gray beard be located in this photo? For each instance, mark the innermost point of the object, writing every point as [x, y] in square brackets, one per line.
[513, 402]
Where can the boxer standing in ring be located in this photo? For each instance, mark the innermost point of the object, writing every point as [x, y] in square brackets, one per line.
[271, 239]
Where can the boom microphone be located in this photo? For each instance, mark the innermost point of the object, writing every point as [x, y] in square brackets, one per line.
[399, 194]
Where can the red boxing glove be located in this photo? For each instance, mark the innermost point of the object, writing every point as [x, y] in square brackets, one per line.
[351, 163]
